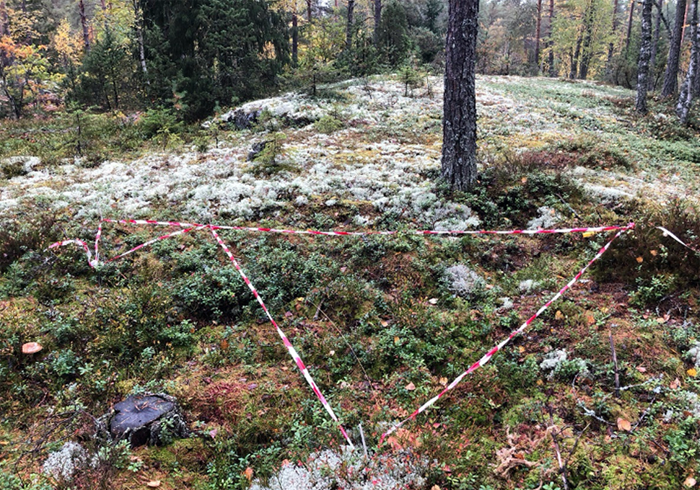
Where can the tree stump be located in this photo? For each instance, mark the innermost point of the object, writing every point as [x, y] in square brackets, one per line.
[153, 419]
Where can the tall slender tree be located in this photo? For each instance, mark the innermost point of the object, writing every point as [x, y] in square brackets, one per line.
[84, 24]
[459, 128]
[377, 20]
[655, 45]
[685, 99]
[588, 26]
[611, 44]
[550, 42]
[630, 21]
[349, 27]
[644, 56]
[538, 31]
[671, 76]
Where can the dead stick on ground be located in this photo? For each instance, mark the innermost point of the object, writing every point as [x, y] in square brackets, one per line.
[562, 466]
[614, 358]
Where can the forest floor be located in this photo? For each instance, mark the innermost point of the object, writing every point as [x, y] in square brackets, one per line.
[382, 322]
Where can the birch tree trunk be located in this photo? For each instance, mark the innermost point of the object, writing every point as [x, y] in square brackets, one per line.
[138, 25]
[644, 56]
[459, 128]
[685, 99]
[84, 24]
[671, 76]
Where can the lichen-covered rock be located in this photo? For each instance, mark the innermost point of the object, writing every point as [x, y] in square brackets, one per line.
[153, 419]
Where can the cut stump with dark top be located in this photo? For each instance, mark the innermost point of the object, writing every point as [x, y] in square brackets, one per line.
[140, 419]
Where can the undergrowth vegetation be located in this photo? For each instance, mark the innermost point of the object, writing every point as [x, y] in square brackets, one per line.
[383, 323]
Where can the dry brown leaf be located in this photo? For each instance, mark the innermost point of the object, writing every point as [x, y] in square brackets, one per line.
[410, 387]
[641, 369]
[559, 315]
[675, 384]
[153, 484]
[640, 259]
[689, 482]
[624, 424]
[248, 473]
[443, 381]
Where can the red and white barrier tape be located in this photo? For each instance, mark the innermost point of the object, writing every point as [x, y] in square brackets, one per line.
[668, 233]
[500, 346]
[285, 340]
[366, 233]
[187, 227]
[292, 352]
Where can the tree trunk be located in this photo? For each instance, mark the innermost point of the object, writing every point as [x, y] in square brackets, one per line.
[588, 39]
[574, 58]
[629, 26]
[644, 56]
[348, 28]
[686, 96]
[308, 9]
[138, 25]
[84, 24]
[611, 45]
[696, 78]
[550, 43]
[459, 128]
[377, 20]
[538, 32]
[671, 77]
[295, 39]
[685, 19]
[4, 19]
[655, 46]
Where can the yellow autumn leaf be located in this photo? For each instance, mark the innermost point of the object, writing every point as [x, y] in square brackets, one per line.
[692, 372]
[559, 315]
[589, 234]
[521, 349]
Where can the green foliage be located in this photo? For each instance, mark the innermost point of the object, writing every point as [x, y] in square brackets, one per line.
[10, 168]
[410, 77]
[328, 124]
[212, 51]
[394, 43]
[106, 76]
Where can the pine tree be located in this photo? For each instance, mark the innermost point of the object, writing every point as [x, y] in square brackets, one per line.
[671, 76]
[459, 131]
